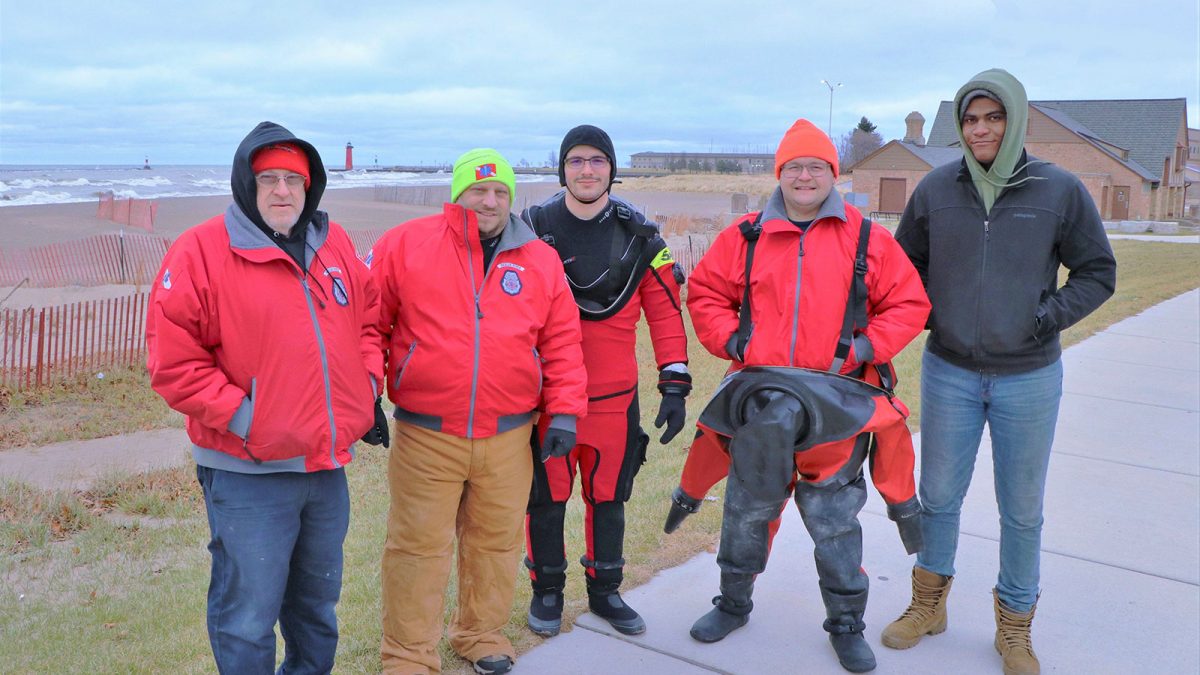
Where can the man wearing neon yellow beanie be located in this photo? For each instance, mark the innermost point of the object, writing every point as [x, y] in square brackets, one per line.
[481, 334]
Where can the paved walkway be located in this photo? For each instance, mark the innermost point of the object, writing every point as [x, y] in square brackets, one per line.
[1121, 547]
[77, 465]
[1120, 562]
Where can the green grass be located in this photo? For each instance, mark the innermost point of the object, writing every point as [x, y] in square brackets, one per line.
[83, 407]
[114, 579]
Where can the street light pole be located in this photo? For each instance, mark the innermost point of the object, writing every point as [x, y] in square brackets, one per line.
[827, 83]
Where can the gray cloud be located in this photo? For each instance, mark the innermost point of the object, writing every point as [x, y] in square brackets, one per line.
[420, 82]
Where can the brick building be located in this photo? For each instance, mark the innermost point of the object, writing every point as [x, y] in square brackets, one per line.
[1130, 154]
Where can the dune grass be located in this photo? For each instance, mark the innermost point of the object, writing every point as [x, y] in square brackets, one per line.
[85, 406]
[113, 579]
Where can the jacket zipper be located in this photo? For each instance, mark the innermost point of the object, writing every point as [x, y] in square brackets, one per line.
[796, 306]
[312, 312]
[246, 440]
[987, 236]
[404, 364]
[478, 316]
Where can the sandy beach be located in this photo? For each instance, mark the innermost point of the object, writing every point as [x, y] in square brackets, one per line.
[356, 208]
[24, 227]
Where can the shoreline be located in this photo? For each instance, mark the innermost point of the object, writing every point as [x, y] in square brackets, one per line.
[30, 225]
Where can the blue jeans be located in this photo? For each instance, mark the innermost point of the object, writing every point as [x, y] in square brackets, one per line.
[276, 556]
[1021, 411]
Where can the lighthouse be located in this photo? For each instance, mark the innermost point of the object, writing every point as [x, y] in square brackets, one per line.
[349, 156]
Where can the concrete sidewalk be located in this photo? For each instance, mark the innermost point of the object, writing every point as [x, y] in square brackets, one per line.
[1120, 562]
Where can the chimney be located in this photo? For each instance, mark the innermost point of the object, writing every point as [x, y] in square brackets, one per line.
[914, 128]
[349, 156]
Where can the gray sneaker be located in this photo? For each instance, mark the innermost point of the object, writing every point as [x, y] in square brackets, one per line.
[489, 665]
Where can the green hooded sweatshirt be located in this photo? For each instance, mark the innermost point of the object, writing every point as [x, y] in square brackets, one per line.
[989, 182]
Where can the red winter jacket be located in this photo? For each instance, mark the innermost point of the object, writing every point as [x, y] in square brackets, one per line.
[473, 354]
[233, 326]
[799, 284]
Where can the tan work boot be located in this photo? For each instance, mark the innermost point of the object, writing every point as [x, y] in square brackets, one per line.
[925, 616]
[1013, 640]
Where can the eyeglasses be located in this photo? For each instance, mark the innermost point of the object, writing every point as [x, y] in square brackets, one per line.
[816, 170]
[576, 163]
[270, 180]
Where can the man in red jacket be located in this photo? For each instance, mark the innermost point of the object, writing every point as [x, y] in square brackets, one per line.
[261, 328]
[481, 334]
[617, 266]
[803, 270]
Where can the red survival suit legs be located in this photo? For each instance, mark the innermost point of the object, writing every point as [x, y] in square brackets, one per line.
[606, 475]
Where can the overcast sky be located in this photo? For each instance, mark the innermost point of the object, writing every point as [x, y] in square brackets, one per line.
[420, 82]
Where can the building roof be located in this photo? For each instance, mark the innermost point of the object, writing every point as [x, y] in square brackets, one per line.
[1147, 128]
[933, 156]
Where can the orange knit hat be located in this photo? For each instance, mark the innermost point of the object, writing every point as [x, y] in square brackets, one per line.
[805, 140]
[286, 156]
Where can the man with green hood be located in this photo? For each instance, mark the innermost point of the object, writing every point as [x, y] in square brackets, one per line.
[987, 236]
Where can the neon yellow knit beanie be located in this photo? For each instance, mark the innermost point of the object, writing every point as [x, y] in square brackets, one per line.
[478, 165]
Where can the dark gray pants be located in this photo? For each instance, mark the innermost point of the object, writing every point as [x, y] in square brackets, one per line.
[830, 513]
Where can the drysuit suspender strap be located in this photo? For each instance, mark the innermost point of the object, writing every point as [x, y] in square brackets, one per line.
[751, 229]
[856, 301]
[855, 314]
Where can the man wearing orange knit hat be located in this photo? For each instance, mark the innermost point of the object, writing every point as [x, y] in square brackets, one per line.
[832, 294]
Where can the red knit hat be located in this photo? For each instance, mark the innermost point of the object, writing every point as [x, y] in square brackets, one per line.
[805, 140]
[286, 156]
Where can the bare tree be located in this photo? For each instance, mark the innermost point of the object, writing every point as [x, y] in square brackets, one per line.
[859, 142]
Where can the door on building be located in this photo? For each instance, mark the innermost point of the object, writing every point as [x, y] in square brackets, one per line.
[892, 192]
[1120, 206]
[1104, 202]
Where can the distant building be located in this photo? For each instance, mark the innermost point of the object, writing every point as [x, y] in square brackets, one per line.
[1192, 175]
[1130, 154]
[728, 162]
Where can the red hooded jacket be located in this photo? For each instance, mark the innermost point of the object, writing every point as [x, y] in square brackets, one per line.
[799, 286]
[473, 353]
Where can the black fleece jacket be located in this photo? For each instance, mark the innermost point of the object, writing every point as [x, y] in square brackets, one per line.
[993, 278]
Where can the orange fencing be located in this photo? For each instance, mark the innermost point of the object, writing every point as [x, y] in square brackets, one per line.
[131, 212]
[40, 346]
[364, 239]
[102, 259]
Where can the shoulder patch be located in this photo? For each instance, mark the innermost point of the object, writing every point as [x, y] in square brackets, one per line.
[663, 258]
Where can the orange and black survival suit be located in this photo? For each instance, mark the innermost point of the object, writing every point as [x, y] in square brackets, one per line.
[618, 267]
[775, 298]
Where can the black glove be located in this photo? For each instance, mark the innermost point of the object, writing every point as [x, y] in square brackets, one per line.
[378, 434]
[674, 386]
[557, 443]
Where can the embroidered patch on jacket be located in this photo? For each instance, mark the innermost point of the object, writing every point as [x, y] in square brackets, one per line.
[510, 283]
[509, 265]
[167, 280]
[663, 258]
[484, 171]
[340, 295]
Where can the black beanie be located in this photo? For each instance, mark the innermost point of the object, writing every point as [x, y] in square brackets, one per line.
[586, 134]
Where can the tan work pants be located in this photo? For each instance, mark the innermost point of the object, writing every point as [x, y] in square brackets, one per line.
[440, 486]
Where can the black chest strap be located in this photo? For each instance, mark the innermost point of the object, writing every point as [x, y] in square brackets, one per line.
[853, 317]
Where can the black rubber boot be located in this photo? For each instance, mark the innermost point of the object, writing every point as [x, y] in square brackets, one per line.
[682, 506]
[853, 652]
[611, 608]
[845, 627]
[546, 605]
[545, 613]
[732, 609]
